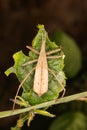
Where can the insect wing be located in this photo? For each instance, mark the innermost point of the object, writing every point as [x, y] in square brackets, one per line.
[41, 77]
[41, 73]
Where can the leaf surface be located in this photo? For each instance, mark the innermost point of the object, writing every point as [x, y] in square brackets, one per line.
[56, 65]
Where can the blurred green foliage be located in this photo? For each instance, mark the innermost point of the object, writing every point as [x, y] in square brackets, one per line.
[70, 121]
[73, 59]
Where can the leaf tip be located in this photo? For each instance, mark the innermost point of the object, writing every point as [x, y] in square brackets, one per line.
[40, 26]
[9, 71]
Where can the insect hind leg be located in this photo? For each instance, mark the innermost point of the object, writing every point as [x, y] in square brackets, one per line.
[58, 82]
[21, 86]
[32, 49]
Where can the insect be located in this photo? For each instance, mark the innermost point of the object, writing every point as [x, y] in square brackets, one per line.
[40, 85]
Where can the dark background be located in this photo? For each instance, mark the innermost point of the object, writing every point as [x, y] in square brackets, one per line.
[18, 20]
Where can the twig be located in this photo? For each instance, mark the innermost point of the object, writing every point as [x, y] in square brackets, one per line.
[45, 104]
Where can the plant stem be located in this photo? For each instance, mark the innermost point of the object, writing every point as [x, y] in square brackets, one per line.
[45, 104]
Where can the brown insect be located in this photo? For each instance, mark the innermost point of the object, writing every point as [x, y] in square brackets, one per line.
[40, 85]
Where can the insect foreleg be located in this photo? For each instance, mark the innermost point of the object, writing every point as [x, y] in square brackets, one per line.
[58, 81]
[32, 49]
[21, 86]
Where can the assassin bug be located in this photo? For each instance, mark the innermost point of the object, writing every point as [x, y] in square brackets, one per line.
[40, 85]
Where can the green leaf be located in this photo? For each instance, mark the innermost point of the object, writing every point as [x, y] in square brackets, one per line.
[44, 113]
[15, 128]
[57, 65]
[70, 121]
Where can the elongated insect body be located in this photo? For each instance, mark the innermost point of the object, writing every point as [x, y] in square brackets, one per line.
[41, 72]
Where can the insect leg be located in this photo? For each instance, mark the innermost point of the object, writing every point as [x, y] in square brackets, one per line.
[53, 51]
[58, 81]
[54, 57]
[21, 86]
[32, 49]
[30, 62]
